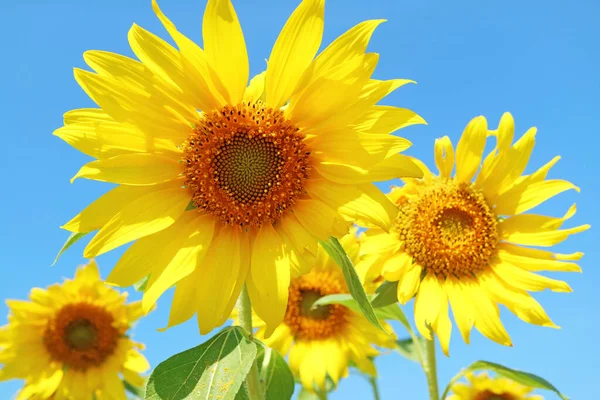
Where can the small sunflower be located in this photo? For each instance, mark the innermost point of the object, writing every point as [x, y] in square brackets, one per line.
[233, 194]
[325, 340]
[468, 241]
[70, 341]
[484, 387]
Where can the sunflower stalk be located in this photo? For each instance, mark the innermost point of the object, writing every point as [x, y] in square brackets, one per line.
[373, 382]
[253, 383]
[431, 369]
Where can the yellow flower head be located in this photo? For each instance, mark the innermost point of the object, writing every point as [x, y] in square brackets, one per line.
[467, 241]
[70, 341]
[237, 192]
[484, 387]
[323, 341]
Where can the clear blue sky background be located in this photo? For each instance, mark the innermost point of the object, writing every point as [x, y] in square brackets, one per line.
[537, 59]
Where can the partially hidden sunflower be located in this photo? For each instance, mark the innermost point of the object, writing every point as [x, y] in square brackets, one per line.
[484, 387]
[70, 341]
[323, 341]
[468, 240]
[236, 192]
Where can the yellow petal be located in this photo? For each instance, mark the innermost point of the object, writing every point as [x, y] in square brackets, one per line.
[459, 294]
[428, 304]
[350, 44]
[225, 47]
[335, 93]
[299, 236]
[294, 50]
[106, 139]
[526, 280]
[518, 157]
[185, 248]
[144, 216]
[360, 149]
[536, 259]
[202, 83]
[496, 164]
[530, 223]
[379, 242]
[442, 325]
[522, 199]
[409, 285]
[517, 301]
[136, 362]
[396, 266]
[85, 115]
[396, 166]
[319, 219]
[256, 89]
[269, 277]
[386, 119]
[184, 304]
[470, 149]
[365, 203]
[444, 156]
[223, 272]
[97, 214]
[487, 317]
[131, 169]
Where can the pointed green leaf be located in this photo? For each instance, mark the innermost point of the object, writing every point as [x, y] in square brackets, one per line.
[522, 377]
[393, 312]
[407, 348]
[213, 370]
[385, 294]
[274, 373]
[71, 240]
[337, 253]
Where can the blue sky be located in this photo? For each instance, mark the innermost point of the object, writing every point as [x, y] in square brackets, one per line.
[538, 60]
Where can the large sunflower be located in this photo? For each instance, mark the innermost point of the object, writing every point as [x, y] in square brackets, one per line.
[70, 341]
[484, 387]
[468, 241]
[325, 340]
[233, 194]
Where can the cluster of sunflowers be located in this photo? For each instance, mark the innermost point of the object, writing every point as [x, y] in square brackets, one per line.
[263, 195]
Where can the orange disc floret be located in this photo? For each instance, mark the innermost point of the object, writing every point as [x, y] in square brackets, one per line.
[245, 164]
[81, 335]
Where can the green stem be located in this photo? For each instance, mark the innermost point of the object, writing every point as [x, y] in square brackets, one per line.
[253, 384]
[431, 369]
[373, 382]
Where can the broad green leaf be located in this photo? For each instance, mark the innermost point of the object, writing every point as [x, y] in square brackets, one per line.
[140, 285]
[71, 240]
[407, 348]
[213, 370]
[524, 378]
[336, 251]
[393, 312]
[385, 295]
[274, 373]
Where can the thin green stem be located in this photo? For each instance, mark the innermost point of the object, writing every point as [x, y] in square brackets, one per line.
[452, 382]
[253, 384]
[373, 382]
[431, 369]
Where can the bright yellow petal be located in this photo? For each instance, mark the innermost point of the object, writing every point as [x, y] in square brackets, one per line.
[459, 294]
[131, 169]
[386, 119]
[186, 248]
[256, 89]
[536, 259]
[270, 277]
[522, 199]
[184, 304]
[225, 47]
[470, 149]
[319, 219]
[223, 271]
[294, 50]
[136, 362]
[379, 242]
[86, 115]
[526, 280]
[365, 203]
[442, 325]
[397, 166]
[444, 156]
[409, 285]
[428, 304]
[97, 214]
[396, 266]
[301, 238]
[144, 216]
[487, 317]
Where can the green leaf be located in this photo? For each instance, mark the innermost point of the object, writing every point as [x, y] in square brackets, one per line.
[213, 370]
[275, 374]
[407, 348]
[138, 392]
[336, 251]
[71, 240]
[393, 312]
[140, 285]
[524, 378]
[385, 295]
